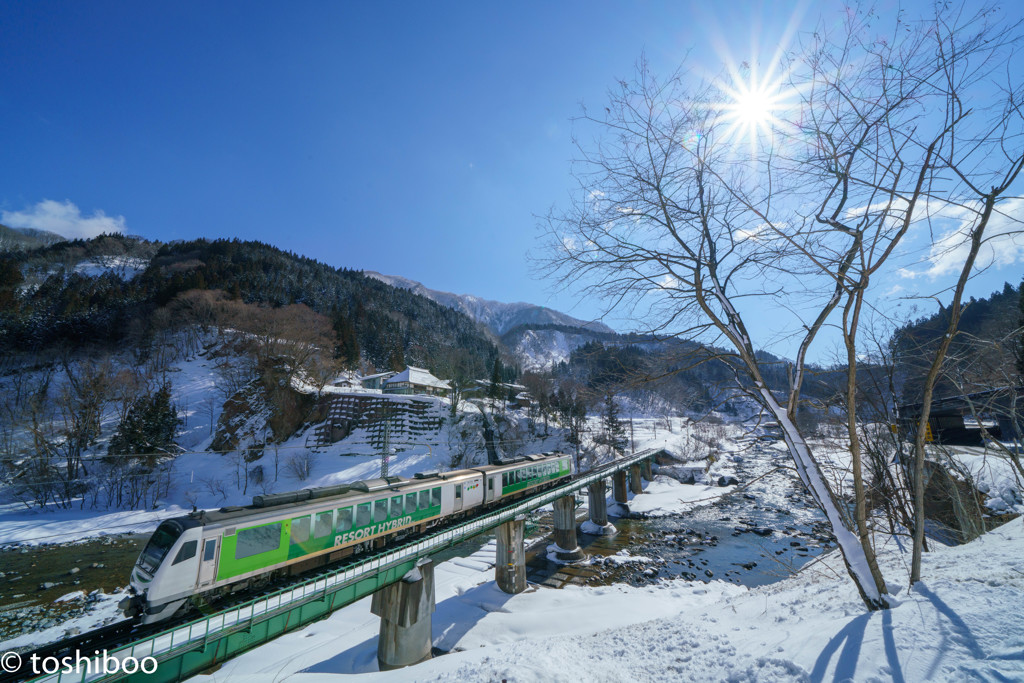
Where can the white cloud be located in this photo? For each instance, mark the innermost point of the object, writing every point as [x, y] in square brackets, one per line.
[742, 234]
[63, 218]
[897, 207]
[1003, 243]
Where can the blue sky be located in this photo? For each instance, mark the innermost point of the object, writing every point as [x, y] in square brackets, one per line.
[417, 139]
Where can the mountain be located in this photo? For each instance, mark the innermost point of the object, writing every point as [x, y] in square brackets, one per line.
[498, 316]
[66, 305]
[20, 239]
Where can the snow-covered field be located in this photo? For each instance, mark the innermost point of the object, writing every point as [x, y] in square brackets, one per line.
[962, 623]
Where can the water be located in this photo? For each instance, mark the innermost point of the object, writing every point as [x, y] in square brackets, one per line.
[758, 536]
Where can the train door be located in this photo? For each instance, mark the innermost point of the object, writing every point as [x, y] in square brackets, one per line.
[458, 498]
[208, 562]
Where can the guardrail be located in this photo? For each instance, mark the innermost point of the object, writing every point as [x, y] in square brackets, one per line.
[185, 650]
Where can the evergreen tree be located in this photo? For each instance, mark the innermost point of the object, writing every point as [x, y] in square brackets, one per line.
[614, 431]
[148, 427]
[396, 361]
[1019, 347]
[10, 281]
[496, 379]
[347, 348]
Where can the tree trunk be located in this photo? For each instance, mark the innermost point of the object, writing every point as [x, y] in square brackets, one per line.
[854, 556]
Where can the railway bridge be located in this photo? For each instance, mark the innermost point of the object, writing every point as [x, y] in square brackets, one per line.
[399, 579]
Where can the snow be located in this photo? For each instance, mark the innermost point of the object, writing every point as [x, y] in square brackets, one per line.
[665, 496]
[125, 267]
[623, 557]
[104, 611]
[500, 317]
[35, 527]
[961, 623]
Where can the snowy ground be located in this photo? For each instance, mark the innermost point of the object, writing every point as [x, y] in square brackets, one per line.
[961, 623]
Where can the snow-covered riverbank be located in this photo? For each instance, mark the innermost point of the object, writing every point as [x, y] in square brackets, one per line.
[961, 623]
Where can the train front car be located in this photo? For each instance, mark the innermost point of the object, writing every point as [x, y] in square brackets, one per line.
[164, 576]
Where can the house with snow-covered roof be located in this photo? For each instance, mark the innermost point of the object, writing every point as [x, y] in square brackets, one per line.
[376, 381]
[416, 381]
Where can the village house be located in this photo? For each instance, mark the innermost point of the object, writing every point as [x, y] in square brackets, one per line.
[376, 381]
[416, 381]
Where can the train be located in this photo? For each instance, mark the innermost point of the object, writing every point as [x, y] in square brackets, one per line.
[196, 559]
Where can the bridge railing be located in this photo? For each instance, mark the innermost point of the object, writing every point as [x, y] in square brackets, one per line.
[200, 633]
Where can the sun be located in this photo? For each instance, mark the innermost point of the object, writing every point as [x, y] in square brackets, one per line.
[751, 110]
[754, 108]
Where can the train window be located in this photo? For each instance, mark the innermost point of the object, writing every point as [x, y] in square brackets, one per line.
[410, 503]
[363, 515]
[380, 510]
[396, 507]
[435, 497]
[256, 540]
[344, 519]
[159, 545]
[504, 478]
[458, 491]
[324, 524]
[210, 550]
[187, 552]
[300, 530]
[490, 484]
[424, 499]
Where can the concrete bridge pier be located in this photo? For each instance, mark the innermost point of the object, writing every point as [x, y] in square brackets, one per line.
[635, 485]
[598, 504]
[510, 556]
[404, 609]
[566, 547]
[619, 490]
[647, 470]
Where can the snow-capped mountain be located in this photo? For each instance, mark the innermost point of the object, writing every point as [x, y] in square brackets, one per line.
[498, 316]
[542, 349]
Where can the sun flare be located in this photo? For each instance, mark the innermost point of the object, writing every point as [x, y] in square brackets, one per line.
[752, 109]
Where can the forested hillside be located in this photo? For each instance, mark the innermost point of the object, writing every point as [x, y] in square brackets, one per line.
[16, 239]
[986, 352]
[109, 291]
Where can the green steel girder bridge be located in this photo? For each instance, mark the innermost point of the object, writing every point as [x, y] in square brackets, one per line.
[189, 649]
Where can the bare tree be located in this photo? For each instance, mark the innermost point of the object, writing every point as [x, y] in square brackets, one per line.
[300, 465]
[680, 214]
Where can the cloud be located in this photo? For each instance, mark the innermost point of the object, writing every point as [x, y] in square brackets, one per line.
[743, 234]
[1003, 244]
[63, 218]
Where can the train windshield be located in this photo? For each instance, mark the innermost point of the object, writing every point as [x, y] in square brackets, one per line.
[159, 543]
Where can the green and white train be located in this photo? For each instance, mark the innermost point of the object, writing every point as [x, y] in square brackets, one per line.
[206, 555]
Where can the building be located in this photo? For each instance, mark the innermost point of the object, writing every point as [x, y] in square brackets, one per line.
[959, 419]
[376, 381]
[416, 381]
